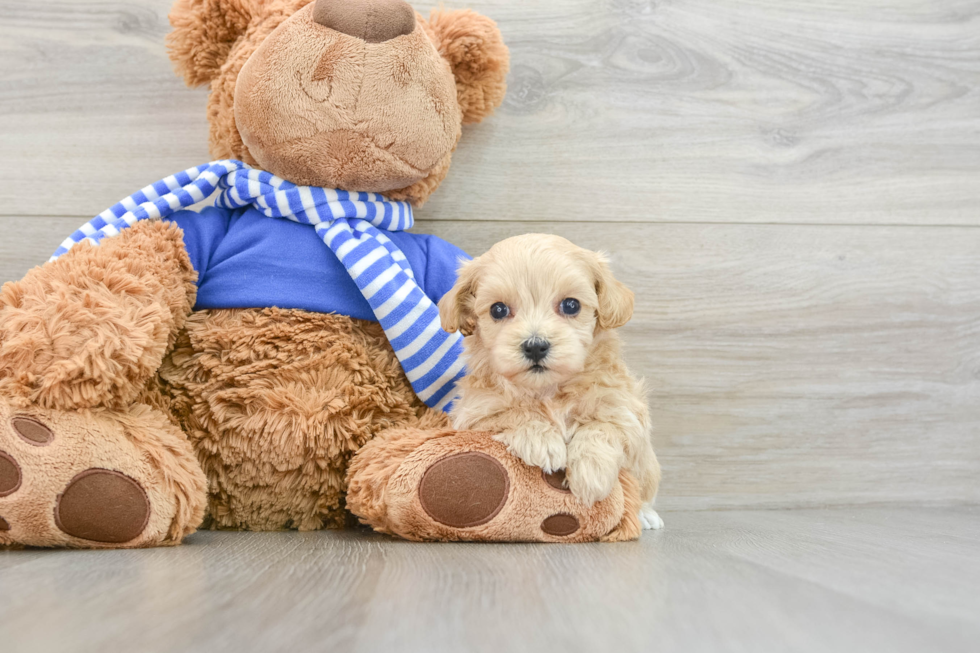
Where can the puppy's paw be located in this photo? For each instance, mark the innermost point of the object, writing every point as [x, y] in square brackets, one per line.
[649, 519]
[544, 448]
[592, 472]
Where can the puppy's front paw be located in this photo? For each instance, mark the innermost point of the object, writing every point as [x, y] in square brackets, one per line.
[544, 448]
[591, 473]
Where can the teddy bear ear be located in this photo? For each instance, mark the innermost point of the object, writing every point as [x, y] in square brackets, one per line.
[475, 50]
[204, 33]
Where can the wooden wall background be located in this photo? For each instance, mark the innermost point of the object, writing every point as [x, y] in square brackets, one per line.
[793, 189]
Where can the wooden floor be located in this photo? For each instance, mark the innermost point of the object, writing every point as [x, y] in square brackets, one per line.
[850, 579]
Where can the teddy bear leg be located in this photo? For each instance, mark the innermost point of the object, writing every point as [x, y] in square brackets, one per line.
[432, 484]
[96, 478]
[83, 462]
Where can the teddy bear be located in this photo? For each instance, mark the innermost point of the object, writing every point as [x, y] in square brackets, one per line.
[220, 367]
[439, 484]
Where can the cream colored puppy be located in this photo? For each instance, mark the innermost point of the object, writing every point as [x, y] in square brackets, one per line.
[544, 367]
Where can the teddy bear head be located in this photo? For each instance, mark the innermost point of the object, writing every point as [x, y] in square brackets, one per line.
[361, 95]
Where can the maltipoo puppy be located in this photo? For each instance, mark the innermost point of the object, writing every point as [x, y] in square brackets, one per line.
[544, 367]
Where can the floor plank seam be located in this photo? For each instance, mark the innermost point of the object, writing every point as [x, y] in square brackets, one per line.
[422, 219]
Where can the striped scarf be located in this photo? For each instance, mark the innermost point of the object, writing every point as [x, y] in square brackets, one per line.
[351, 225]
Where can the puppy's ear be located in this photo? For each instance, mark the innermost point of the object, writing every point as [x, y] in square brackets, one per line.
[615, 299]
[455, 307]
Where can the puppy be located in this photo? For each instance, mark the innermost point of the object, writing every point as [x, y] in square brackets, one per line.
[544, 367]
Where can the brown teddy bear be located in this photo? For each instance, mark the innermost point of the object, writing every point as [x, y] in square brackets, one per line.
[445, 485]
[225, 365]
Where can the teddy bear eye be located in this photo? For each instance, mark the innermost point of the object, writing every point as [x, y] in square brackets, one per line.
[569, 306]
[499, 311]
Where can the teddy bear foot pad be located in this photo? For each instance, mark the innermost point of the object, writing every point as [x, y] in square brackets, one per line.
[469, 489]
[81, 479]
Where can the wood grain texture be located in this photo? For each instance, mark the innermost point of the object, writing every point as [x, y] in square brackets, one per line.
[787, 365]
[736, 154]
[804, 580]
[791, 365]
[618, 110]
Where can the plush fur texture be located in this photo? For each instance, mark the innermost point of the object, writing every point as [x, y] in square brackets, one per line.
[478, 57]
[91, 329]
[386, 474]
[578, 408]
[81, 340]
[276, 402]
[324, 108]
[204, 33]
[138, 441]
[373, 21]
[253, 414]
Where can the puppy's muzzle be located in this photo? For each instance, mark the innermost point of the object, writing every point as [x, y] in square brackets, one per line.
[535, 349]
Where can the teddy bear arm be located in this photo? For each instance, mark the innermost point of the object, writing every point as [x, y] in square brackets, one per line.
[91, 328]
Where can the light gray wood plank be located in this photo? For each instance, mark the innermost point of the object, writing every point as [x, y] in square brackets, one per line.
[688, 111]
[798, 365]
[804, 580]
[29, 243]
[787, 365]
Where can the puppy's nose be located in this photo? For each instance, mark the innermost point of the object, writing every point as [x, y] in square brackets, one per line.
[375, 21]
[535, 349]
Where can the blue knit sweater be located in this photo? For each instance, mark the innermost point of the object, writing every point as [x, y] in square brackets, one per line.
[246, 260]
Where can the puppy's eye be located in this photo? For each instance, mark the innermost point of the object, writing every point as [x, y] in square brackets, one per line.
[569, 306]
[499, 311]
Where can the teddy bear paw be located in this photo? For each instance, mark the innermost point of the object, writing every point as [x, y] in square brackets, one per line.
[92, 479]
[468, 487]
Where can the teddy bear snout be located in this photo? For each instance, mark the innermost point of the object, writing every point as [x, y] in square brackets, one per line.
[374, 21]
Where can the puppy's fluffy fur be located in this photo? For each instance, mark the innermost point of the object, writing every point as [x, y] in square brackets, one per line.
[578, 408]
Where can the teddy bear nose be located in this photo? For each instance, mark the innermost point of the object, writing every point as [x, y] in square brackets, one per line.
[374, 21]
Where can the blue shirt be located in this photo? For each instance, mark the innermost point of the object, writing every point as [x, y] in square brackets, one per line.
[247, 260]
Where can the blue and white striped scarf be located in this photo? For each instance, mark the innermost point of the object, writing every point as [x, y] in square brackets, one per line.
[351, 225]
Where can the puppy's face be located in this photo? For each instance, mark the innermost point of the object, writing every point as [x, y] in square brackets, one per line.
[532, 307]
